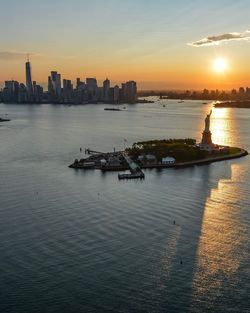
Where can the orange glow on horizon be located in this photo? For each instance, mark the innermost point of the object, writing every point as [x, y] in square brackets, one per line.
[150, 73]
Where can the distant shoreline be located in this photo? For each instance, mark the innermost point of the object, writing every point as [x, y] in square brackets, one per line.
[233, 104]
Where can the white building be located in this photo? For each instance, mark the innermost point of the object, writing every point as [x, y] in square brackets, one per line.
[168, 160]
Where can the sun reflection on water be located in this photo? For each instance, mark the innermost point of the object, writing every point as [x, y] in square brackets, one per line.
[222, 126]
[223, 235]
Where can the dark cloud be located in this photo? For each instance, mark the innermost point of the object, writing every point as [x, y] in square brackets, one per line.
[216, 40]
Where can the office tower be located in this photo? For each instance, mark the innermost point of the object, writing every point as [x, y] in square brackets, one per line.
[116, 94]
[80, 93]
[29, 84]
[106, 90]
[22, 94]
[67, 91]
[38, 92]
[129, 92]
[56, 83]
[10, 91]
[54, 87]
[92, 90]
[79, 83]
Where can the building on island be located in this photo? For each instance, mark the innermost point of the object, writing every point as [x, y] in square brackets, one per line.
[168, 160]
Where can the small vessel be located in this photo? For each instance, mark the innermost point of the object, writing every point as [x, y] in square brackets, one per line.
[112, 109]
[4, 119]
[131, 175]
[181, 101]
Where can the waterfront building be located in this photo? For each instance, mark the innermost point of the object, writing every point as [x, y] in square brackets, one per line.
[129, 92]
[92, 90]
[10, 91]
[29, 84]
[22, 94]
[106, 91]
[80, 93]
[79, 83]
[54, 87]
[67, 94]
[116, 94]
[38, 92]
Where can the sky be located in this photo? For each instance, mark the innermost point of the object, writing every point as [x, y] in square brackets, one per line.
[161, 44]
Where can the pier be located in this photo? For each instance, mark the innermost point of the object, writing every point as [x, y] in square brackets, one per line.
[88, 151]
[136, 171]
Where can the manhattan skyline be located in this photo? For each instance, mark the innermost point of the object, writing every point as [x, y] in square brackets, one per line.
[160, 44]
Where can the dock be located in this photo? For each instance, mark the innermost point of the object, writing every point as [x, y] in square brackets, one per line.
[131, 176]
[135, 170]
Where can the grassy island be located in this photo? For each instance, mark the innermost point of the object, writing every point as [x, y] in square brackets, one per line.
[181, 151]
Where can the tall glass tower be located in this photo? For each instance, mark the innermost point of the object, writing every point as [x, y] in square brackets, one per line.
[29, 84]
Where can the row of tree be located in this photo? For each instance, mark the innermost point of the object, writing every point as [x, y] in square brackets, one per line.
[180, 149]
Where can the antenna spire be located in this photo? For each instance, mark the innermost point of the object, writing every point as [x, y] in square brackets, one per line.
[28, 57]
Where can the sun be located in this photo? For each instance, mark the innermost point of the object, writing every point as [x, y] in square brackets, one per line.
[220, 65]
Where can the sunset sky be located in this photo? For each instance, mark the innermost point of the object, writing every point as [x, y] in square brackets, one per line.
[161, 44]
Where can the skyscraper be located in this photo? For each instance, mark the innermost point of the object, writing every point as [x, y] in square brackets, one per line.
[29, 84]
[106, 90]
[54, 87]
[129, 92]
[92, 89]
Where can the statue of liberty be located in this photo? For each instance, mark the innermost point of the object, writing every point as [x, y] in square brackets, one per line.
[206, 142]
[207, 122]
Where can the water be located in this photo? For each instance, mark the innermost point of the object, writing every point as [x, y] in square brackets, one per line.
[83, 241]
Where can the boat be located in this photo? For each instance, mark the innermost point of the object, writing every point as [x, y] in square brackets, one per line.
[139, 175]
[112, 109]
[181, 101]
[4, 119]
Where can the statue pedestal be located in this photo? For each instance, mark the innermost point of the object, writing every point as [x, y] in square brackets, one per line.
[206, 142]
[206, 138]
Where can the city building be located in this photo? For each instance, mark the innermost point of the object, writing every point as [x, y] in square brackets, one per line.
[54, 87]
[129, 92]
[67, 93]
[106, 91]
[10, 91]
[29, 85]
[92, 90]
[64, 92]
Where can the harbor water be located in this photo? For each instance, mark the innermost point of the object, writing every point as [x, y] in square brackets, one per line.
[84, 241]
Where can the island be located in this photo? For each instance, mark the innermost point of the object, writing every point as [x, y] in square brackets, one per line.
[163, 153]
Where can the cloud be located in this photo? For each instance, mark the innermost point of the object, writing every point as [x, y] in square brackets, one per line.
[14, 55]
[216, 40]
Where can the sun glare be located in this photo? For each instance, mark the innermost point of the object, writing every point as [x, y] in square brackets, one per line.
[220, 65]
